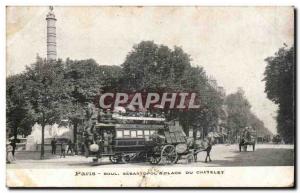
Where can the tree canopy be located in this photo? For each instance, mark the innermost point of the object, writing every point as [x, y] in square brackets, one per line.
[157, 67]
[280, 88]
[241, 116]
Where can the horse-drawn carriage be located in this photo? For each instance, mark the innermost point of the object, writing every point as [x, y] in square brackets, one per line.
[247, 138]
[126, 139]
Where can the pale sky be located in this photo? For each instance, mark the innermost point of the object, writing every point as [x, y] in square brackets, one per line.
[231, 43]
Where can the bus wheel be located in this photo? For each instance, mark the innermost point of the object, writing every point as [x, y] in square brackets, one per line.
[169, 154]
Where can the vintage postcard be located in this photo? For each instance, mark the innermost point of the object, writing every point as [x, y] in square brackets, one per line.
[150, 96]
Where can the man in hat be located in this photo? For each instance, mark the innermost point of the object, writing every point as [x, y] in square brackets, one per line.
[53, 146]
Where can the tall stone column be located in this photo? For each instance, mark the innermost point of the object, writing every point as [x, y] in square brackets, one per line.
[51, 35]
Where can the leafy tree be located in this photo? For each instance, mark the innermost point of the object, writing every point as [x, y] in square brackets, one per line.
[154, 66]
[18, 111]
[258, 126]
[159, 68]
[238, 109]
[240, 115]
[280, 88]
[85, 79]
[45, 91]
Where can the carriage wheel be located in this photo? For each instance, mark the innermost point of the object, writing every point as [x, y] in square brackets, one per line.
[155, 160]
[169, 154]
[114, 159]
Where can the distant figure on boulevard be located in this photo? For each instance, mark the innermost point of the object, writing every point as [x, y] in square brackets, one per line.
[70, 147]
[63, 149]
[53, 146]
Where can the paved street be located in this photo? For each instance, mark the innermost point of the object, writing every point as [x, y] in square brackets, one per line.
[222, 155]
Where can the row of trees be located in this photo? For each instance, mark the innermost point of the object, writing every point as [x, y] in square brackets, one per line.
[150, 66]
[156, 67]
[48, 91]
[280, 88]
[240, 115]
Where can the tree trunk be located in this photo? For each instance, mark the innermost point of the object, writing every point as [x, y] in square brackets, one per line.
[75, 138]
[43, 142]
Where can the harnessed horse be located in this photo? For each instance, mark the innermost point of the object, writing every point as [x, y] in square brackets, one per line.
[243, 143]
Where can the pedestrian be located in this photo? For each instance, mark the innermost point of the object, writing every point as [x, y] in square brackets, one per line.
[105, 141]
[110, 141]
[9, 155]
[100, 115]
[86, 147]
[63, 149]
[53, 146]
[208, 148]
[13, 144]
[98, 141]
[81, 148]
[70, 147]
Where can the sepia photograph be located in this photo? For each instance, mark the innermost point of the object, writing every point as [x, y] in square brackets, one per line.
[150, 96]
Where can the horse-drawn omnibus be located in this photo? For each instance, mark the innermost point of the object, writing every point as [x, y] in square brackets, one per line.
[129, 138]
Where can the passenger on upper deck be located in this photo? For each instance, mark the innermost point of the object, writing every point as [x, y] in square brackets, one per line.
[108, 114]
[101, 115]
